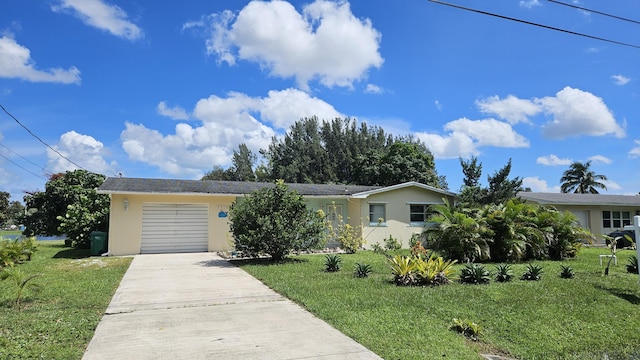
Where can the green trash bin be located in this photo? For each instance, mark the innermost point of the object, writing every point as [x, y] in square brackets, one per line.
[99, 243]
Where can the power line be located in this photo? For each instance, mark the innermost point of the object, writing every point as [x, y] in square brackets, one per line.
[21, 167]
[595, 11]
[536, 24]
[41, 168]
[39, 139]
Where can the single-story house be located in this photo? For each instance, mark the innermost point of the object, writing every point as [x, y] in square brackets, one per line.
[600, 213]
[161, 215]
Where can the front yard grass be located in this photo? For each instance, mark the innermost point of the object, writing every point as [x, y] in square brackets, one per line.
[588, 317]
[59, 321]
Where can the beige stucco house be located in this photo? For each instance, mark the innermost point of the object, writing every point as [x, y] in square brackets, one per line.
[161, 215]
[599, 213]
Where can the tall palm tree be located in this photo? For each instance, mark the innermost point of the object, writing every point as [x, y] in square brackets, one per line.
[579, 179]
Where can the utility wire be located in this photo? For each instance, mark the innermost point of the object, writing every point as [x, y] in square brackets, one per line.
[21, 167]
[595, 11]
[535, 24]
[41, 168]
[39, 139]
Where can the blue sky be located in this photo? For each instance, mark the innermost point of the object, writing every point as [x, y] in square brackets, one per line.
[169, 89]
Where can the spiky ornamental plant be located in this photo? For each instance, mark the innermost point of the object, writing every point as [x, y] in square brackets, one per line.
[503, 273]
[332, 263]
[567, 272]
[474, 274]
[533, 272]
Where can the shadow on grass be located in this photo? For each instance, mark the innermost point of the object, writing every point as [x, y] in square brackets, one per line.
[266, 261]
[622, 294]
[72, 254]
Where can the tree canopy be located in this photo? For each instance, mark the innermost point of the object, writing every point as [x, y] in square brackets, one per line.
[500, 188]
[69, 205]
[580, 179]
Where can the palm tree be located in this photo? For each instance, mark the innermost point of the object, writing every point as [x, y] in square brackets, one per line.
[580, 180]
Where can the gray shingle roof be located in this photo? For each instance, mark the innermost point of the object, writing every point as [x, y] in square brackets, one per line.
[580, 199]
[173, 186]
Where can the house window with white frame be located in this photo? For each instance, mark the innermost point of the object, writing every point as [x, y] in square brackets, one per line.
[615, 219]
[377, 214]
[418, 214]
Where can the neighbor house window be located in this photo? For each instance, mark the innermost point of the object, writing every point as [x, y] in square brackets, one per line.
[377, 214]
[616, 219]
[418, 214]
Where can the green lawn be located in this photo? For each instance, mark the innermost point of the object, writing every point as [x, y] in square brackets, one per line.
[588, 317]
[59, 321]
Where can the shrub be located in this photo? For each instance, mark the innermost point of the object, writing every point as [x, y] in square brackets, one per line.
[632, 264]
[566, 272]
[13, 252]
[418, 250]
[332, 263]
[466, 328]
[362, 270]
[275, 221]
[402, 268]
[474, 274]
[504, 273]
[392, 244]
[533, 272]
[433, 271]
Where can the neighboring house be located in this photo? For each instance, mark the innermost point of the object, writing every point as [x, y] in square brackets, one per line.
[159, 216]
[599, 213]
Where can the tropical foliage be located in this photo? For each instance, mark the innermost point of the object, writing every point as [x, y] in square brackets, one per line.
[16, 251]
[418, 270]
[532, 273]
[474, 274]
[332, 263]
[21, 281]
[504, 273]
[579, 178]
[275, 221]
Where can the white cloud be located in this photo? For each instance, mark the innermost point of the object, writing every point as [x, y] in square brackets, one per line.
[600, 159]
[373, 89]
[16, 62]
[511, 108]
[225, 123]
[101, 15]
[83, 150]
[620, 79]
[467, 136]
[438, 104]
[553, 160]
[576, 112]
[612, 185]
[176, 112]
[324, 42]
[529, 3]
[635, 152]
[538, 185]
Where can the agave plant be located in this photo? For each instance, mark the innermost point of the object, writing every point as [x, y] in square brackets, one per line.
[402, 268]
[533, 272]
[474, 274]
[503, 273]
[362, 270]
[567, 272]
[332, 263]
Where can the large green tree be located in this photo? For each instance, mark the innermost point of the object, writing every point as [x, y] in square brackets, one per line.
[275, 221]
[4, 207]
[240, 170]
[580, 179]
[69, 205]
[501, 188]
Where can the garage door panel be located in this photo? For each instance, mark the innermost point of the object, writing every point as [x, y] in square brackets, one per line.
[170, 228]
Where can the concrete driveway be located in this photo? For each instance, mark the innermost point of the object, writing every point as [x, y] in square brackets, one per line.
[198, 306]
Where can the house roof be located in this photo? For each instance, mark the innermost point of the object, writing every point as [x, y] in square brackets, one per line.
[207, 187]
[365, 194]
[580, 199]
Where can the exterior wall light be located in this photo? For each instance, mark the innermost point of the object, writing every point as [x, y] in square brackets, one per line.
[126, 204]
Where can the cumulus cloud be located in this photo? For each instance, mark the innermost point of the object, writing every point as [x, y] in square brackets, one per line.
[538, 185]
[176, 112]
[373, 89]
[620, 79]
[576, 112]
[600, 159]
[83, 150]
[511, 108]
[635, 151]
[324, 41]
[553, 160]
[101, 15]
[529, 3]
[225, 123]
[16, 62]
[466, 136]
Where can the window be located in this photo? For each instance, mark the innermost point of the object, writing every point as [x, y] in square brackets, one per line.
[418, 214]
[377, 212]
[615, 219]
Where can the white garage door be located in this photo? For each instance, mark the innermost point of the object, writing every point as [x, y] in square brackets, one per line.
[169, 228]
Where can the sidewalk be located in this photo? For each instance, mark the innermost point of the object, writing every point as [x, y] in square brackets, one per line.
[198, 306]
